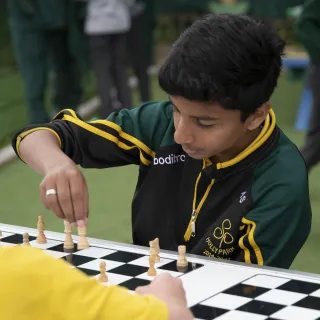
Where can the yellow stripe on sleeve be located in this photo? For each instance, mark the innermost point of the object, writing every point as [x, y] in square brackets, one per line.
[126, 136]
[252, 242]
[105, 135]
[24, 134]
[116, 127]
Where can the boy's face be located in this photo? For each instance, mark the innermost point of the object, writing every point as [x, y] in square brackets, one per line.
[207, 130]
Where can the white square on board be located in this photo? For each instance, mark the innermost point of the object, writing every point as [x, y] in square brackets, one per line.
[296, 313]
[281, 297]
[6, 234]
[48, 245]
[144, 262]
[56, 254]
[241, 315]
[94, 252]
[114, 279]
[226, 301]
[159, 271]
[95, 264]
[265, 281]
[316, 294]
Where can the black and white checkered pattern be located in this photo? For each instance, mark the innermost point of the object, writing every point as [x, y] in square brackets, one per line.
[257, 298]
[263, 297]
[127, 269]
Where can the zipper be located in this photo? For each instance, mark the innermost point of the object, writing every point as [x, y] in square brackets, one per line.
[193, 223]
[191, 230]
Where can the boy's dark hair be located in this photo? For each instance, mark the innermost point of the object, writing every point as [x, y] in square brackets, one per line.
[232, 60]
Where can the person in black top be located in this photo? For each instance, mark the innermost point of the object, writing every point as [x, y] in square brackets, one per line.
[216, 173]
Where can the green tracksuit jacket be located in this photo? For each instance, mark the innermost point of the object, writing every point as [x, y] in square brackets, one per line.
[254, 208]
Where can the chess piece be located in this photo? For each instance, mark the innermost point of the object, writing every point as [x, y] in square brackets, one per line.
[41, 239]
[182, 261]
[152, 251]
[83, 242]
[183, 269]
[157, 247]
[152, 270]
[103, 276]
[68, 242]
[25, 237]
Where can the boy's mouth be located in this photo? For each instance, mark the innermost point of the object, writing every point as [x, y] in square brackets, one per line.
[192, 151]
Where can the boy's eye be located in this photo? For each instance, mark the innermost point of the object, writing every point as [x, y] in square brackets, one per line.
[202, 125]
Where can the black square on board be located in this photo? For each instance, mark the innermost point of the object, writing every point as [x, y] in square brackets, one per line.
[261, 307]
[201, 311]
[89, 272]
[172, 266]
[123, 256]
[300, 286]
[247, 291]
[309, 303]
[16, 239]
[76, 260]
[130, 270]
[133, 283]
[60, 248]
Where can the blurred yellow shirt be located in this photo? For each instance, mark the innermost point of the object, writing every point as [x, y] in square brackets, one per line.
[34, 285]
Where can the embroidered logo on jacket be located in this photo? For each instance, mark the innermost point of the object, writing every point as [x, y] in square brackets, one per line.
[221, 233]
[170, 159]
[220, 246]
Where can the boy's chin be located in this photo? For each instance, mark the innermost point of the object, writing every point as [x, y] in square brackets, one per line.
[198, 156]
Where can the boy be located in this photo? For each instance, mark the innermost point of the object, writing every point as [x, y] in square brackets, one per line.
[47, 288]
[216, 173]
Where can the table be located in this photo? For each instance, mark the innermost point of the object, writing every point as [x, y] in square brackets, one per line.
[215, 289]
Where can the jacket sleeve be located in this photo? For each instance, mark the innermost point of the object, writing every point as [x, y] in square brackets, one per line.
[126, 137]
[276, 228]
[44, 285]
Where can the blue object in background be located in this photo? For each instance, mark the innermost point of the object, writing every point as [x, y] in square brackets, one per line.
[304, 111]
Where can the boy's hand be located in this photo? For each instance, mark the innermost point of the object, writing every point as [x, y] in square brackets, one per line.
[71, 201]
[171, 292]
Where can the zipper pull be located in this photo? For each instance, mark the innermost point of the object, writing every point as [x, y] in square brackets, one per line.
[193, 223]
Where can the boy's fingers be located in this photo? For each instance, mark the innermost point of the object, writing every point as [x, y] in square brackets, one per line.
[64, 198]
[52, 202]
[77, 196]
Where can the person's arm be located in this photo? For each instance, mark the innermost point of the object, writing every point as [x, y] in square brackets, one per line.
[127, 137]
[42, 287]
[279, 223]
[55, 149]
[307, 28]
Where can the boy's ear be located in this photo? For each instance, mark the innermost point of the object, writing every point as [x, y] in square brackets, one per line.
[257, 118]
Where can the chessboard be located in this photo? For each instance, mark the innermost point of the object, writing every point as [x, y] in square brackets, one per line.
[263, 297]
[128, 269]
[215, 289]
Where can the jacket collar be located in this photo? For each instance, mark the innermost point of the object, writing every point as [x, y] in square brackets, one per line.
[250, 156]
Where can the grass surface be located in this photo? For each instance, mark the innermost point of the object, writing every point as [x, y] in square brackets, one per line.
[12, 110]
[111, 190]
